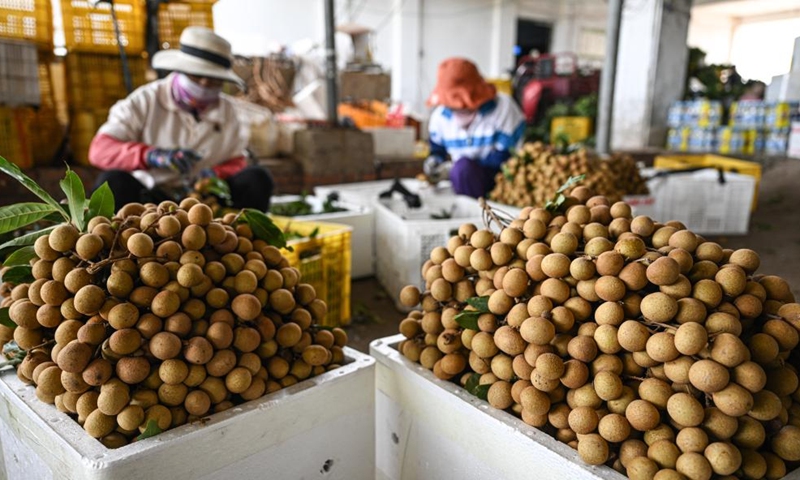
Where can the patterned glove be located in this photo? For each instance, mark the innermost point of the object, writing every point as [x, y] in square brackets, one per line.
[178, 160]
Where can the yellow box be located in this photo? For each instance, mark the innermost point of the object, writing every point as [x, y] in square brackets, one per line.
[576, 128]
[29, 20]
[89, 28]
[503, 85]
[323, 257]
[679, 162]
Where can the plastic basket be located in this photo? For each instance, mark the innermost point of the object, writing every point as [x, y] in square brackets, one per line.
[361, 218]
[324, 263]
[680, 162]
[14, 139]
[83, 126]
[90, 29]
[94, 82]
[175, 16]
[404, 237]
[30, 20]
[19, 73]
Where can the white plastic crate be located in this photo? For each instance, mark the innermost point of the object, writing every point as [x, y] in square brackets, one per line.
[429, 428]
[361, 218]
[366, 193]
[700, 200]
[19, 73]
[404, 237]
[320, 428]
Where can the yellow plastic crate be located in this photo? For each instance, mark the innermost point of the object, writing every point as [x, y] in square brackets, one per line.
[727, 164]
[576, 128]
[30, 20]
[95, 82]
[324, 262]
[90, 29]
[173, 17]
[15, 145]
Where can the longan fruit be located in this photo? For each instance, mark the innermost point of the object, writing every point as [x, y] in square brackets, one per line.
[691, 439]
[499, 394]
[114, 396]
[659, 307]
[751, 376]
[583, 420]
[665, 453]
[98, 424]
[608, 385]
[133, 370]
[733, 400]
[661, 347]
[685, 410]
[691, 338]
[593, 449]
[723, 457]
[641, 468]
[708, 376]
[642, 415]
[729, 350]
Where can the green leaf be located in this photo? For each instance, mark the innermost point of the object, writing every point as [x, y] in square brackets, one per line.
[76, 198]
[151, 430]
[5, 318]
[13, 171]
[101, 204]
[18, 274]
[13, 217]
[482, 391]
[468, 320]
[27, 239]
[472, 382]
[23, 256]
[480, 304]
[570, 182]
[264, 228]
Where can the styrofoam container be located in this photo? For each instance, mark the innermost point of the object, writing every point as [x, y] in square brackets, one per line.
[404, 237]
[429, 428]
[360, 217]
[320, 428]
[700, 200]
[366, 193]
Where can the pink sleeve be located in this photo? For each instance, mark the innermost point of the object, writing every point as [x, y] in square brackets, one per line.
[230, 167]
[108, 153]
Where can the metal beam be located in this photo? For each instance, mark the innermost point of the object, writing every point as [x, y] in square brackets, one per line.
[330, 56]
[608, 77]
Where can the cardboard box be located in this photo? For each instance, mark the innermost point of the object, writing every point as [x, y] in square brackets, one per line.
[325, 151]
[365, 86]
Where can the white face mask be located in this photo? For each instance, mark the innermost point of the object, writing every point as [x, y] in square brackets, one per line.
[197, 91]
[464, 119]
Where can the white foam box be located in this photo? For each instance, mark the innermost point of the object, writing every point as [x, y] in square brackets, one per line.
[699, 200]
[794, 140]
[366, 193]
[393, 142]
[427, 428]
[360, 217]
[320, 428]
[404, 237]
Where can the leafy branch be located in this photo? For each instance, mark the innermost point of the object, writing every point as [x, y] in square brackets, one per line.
[558, 200]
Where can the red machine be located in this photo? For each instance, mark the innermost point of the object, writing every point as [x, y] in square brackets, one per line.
[541, 81]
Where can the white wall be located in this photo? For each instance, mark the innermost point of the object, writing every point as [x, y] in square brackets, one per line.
[412, 36]
[713, 34]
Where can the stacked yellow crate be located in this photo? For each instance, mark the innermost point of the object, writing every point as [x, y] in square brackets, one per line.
[26, 37]
[93, 68]
[173, 17]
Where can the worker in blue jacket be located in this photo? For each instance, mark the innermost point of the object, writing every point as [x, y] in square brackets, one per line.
[473, 126]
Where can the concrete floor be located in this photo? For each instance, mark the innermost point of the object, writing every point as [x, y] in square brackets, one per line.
[774, 234]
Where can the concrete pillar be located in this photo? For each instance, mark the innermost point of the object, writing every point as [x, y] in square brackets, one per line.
[407, 50]
[651, 66]
[503, 36]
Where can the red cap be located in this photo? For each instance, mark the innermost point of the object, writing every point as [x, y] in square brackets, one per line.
[460, 86]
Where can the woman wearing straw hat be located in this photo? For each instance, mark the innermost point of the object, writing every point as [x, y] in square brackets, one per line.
[472, 125]
[170, 132]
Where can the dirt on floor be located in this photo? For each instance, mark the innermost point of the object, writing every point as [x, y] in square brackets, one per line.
[774, 234]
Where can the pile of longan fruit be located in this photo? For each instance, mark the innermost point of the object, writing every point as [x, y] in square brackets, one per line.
[163, 315]
[640, 344]
[537, 172]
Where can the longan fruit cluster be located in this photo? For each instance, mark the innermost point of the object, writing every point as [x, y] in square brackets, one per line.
[640, 344]
[537, 172]
[164, 314]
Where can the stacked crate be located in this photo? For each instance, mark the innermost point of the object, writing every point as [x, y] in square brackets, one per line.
[173, 17]
[26, 45]
[93, 69]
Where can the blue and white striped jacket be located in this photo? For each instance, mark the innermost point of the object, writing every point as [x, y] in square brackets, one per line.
[497, 129]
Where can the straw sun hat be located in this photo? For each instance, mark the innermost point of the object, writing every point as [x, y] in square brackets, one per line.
[203, 53]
